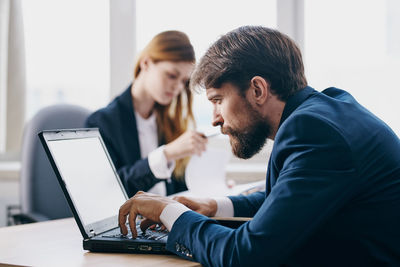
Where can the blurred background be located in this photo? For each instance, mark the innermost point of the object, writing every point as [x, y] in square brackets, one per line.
[82, 52]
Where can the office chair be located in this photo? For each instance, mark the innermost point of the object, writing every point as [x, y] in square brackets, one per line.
[41, 195]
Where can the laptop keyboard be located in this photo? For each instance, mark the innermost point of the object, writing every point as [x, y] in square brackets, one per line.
[150, 234]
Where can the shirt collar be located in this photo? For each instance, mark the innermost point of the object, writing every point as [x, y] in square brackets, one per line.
[147, 121]
[295, 100]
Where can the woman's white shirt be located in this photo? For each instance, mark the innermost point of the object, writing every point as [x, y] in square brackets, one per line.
[148, 142]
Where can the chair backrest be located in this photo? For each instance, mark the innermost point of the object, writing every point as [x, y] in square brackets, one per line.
[40, 191]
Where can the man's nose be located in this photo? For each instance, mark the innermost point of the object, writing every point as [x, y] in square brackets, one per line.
[217, 119]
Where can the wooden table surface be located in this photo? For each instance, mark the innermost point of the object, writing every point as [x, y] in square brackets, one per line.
[59, 243]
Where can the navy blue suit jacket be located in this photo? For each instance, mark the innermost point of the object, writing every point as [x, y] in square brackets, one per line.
[117, 125]
[332, 194]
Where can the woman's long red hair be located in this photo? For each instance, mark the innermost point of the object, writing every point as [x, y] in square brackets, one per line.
[175, 118]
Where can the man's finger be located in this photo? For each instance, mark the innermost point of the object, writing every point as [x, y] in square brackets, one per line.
[187, 202]
[132, 223]
[145, 224]
[123, 212]
[180, 199]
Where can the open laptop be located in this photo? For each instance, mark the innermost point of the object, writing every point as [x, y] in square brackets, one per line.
[94, 191]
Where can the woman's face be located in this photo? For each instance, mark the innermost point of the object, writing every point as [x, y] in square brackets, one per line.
[165, 80]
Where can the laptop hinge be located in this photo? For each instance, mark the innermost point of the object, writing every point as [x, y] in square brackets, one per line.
[92, 233]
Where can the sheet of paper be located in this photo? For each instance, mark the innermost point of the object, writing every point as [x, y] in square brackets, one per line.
[205, 174]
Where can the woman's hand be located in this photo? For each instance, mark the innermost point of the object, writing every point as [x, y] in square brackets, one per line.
[188, 144]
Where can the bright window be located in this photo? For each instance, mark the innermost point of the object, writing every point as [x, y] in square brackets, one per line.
[355, 45]
[203, 21]
[67, 53]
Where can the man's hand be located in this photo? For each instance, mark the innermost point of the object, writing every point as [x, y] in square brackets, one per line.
[148, 205]
[205, 206]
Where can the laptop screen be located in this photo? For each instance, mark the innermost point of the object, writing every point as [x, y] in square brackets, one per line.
[88, 176]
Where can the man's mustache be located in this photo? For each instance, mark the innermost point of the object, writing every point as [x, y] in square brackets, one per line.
[228, 130]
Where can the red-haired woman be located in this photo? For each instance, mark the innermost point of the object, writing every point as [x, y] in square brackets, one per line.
[146, 128]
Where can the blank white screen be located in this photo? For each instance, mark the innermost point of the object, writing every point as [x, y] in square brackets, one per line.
[89, 177]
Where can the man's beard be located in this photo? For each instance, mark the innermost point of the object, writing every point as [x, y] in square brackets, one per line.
[251, 140]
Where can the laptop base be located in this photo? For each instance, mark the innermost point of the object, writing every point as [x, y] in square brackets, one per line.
[124, 247]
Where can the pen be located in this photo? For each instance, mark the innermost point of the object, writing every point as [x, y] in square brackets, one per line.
[212, 135]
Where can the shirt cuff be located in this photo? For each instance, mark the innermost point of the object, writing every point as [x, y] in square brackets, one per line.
[224, 207]
[171, 213]
[160, 167]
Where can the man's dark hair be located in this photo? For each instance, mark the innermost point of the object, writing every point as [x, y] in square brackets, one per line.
[251, 51]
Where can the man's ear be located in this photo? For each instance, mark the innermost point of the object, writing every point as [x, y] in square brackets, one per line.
[259, 90]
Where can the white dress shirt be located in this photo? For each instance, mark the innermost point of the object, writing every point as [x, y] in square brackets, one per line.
[148, 142]
[172, 211]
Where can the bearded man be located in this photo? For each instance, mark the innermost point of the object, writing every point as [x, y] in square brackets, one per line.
[332, 193]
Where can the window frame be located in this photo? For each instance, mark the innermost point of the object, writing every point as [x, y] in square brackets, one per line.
[290, 16]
